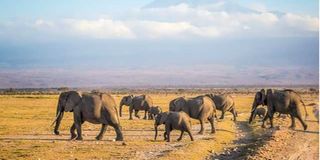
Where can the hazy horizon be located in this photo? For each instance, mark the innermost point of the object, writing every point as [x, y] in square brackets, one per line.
[46, 44]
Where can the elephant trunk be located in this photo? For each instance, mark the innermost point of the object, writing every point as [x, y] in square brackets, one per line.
[251, 117]
[59, 116]
[156, 132]
[120, 109]
[254, 106]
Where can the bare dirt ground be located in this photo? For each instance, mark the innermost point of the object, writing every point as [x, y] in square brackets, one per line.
[25, 133]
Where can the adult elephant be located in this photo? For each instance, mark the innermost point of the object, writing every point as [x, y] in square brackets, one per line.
[96, 108]
[282, 101]
[201, 108]
[142, 102]
[224, 103]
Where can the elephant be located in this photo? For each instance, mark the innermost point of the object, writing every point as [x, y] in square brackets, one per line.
[201, 108]
[260, 111]
[283, 101]
[96, 108]
[173, 120]
[224, 103]
[136, 103]
[153, 111]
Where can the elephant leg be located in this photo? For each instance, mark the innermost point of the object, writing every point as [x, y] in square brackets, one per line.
[72, 131]
[79, 132]
[211, 120]
[293, 123]
[130, 112]
[222, 115]
[150, 116]
[145, 114]
[305, 126]
[165, 135]
[201, 126]
[168, 130]
[271, 120]
[77, 123]
[136, 113]
[190, 135]
[181, 135]
[102, 131]
[118, 131]
[233, 111]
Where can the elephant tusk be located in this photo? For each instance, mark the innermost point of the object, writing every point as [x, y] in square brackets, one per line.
[56, 118]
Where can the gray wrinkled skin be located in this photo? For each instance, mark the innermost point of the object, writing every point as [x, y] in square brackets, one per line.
[201, 108]
[136, 103]
[282, 101]
[224, 103]
[173, 121]
[96, 108]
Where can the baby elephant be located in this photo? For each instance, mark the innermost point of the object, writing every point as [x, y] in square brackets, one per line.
[173, 120]
[153, 111]
[260, 111]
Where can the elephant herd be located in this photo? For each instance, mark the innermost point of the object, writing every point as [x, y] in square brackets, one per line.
[101, 108]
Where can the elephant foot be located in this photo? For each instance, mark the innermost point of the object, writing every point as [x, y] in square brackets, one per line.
[221, 117]
[168, 140]
[271, 127]
[213, 131]
[79, 138]
[201, 132]
[305, 127]
[73, 136]
[292, 127]
[144, 117]
[56, 132]
[130, 118]
[263, 126]
[119, 138]
[179, 139]
[98, 138]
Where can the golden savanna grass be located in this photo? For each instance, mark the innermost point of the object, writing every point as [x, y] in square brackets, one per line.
[25, 133]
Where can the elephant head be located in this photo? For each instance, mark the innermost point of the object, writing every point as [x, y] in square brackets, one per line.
[126, 100]
[177, 105]
[67, 102]
[259, 99]
[160, 119]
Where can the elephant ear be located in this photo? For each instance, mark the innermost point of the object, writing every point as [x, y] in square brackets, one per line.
[263, 97]
[179, 103]
[269, 99]
[72, 100]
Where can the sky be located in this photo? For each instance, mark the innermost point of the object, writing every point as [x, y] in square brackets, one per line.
[122, 43]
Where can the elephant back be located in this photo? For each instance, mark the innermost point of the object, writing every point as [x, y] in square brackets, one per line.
[223, 102]
[177, 104]
[142, 102]
[199, 106]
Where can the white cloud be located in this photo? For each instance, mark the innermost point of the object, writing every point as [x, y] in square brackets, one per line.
[306, 22]
[185, 21]
[101, 28]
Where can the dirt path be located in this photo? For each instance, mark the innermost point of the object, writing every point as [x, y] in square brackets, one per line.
[254, 143]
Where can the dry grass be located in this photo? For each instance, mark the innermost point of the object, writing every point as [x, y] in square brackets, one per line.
[25, 133]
